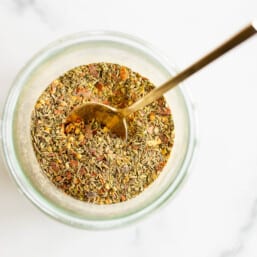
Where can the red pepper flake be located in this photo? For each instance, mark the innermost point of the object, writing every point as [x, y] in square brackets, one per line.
[152, 116]
[82, 171]
[99, 86]
[122, 105]
[79, 120]
[53, 88]
[93, 70]
[135, 147]
[81, 91]
[62, 128]
[160, 166]
[165, 111]
[133, 96]
[106, 102]
[150, 130]
[123, 198]
[161, 101]
[88, 132]
[64, 187]
[54, 166]
[58, 178]
[68, 175]
[100, 157]
[92, 151]
[74, 163]
[124, 74]
[58, 111]
[102, 180]
[164, 139]
[51, 155]
[69, 128]
[100, 191]
[76, 181]
[114, 76]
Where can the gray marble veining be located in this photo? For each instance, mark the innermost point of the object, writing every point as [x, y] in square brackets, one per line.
[34, 6]
[243, 235]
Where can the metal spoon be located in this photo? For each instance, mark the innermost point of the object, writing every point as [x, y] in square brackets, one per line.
[115, 119]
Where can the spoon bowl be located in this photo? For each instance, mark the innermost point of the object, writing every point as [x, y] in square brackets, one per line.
[108, 116]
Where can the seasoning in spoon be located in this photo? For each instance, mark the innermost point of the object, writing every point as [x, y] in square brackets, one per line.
[85, 160]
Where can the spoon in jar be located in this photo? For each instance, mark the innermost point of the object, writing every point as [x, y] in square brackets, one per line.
[115, 119]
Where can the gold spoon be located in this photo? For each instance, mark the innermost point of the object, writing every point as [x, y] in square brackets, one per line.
[115, 119]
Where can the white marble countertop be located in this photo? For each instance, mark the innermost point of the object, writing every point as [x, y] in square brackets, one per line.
[215, 214]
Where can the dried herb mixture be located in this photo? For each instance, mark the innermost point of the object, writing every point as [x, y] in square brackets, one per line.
[86, 161]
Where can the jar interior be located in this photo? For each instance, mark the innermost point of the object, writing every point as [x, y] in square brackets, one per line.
[53, 62]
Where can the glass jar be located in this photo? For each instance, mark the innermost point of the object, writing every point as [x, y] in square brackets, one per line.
[50, 63]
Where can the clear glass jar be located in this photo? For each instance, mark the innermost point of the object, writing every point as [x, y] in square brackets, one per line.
[50, 63]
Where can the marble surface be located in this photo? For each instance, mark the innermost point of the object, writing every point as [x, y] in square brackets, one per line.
[215, 214]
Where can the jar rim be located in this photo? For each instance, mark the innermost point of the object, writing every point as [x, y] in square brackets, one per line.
[7, 140]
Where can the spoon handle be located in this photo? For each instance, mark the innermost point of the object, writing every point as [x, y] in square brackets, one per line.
[235, 40]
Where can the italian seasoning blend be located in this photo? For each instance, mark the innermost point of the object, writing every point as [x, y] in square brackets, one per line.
[86, 161]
